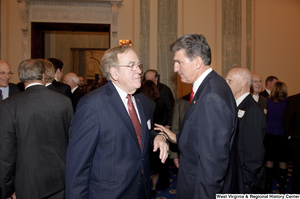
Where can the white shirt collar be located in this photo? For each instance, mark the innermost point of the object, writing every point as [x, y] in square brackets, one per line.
[268, 91]
[5, 92]
[74, 89]
[33, 84]
[198, 82]
[240, 99]
[124, 99]
[255, 97]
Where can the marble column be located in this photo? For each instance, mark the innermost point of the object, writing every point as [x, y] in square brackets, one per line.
[144, 32]
[167, 34]
[232, 31]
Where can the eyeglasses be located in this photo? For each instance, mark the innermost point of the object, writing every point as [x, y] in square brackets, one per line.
[2, 73]
[133, 67]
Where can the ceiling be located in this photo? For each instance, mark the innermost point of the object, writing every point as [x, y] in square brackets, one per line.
[74, 1]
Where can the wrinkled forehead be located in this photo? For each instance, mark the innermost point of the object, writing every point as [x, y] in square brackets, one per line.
[127, 57]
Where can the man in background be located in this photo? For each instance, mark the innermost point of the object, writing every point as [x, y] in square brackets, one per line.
[49, 75]
[270, 82]
[251, 130]
[72, 80]
[256, 89]
[64, 88]
[82, 85]
[180, 107]
[34, 136]
[6, 89]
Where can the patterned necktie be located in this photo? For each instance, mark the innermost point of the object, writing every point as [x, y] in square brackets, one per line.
[1, 97]
[191, 96]
[135, 120]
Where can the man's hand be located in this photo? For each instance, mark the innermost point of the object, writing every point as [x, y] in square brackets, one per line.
[161, 144]
[13, 196]
[169, 134]
[176, 162]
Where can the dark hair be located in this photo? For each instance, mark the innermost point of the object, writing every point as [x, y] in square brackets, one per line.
[194, 45]
[31, 69]
[279, 92]
[150, 89]
[270, 79]
[58, 64]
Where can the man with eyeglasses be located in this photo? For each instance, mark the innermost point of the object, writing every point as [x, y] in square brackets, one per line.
[108, 154]
[256, 89]
[6, 89]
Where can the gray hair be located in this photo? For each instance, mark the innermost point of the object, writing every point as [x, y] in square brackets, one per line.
[110, 59]
[194, 45]
[30, 70]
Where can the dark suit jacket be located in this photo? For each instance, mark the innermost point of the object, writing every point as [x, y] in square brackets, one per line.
[205, 140]
[13, 89]
[291, 118]
[65, 89]
[76, 96]
[251, 130]
[180, 107]
[104, 159]
[166, 96]
[53, 88]
[263, 103]
[264, 94]
[33, 141]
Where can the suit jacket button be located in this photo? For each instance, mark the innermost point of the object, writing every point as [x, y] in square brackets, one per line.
[139, 183]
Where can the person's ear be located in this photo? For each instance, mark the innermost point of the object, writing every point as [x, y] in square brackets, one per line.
[113, 73]
[199, 62]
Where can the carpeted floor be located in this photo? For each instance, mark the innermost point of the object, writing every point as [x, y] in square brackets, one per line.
[170, 193]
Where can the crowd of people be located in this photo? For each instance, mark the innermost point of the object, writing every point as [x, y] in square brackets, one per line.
[64, 140]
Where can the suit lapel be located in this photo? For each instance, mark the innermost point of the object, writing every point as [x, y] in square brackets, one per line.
[121, 110]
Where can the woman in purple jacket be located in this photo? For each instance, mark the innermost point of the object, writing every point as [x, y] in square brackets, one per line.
[276, 143]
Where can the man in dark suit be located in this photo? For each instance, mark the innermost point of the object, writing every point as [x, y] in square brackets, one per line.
[64, 88]
[49, 75]
[208, 128]
[72, 80]
[180, 107]
[108, 154]
[270, 82]
[166, 96]
[255, 90]
[34, 136]
[291, 126]
[251, 130]
[7, 89]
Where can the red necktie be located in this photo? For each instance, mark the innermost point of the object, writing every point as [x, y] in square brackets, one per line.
[135, 120]
[191, 96]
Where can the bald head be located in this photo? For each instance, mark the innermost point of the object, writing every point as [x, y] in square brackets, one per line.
[239, 80]
[71, 79]
[256, 83]
[5, 74]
